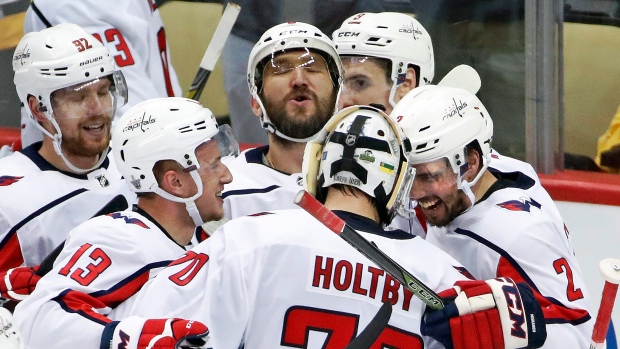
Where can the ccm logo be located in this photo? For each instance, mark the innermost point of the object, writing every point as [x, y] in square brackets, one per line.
[515, 309]
[348, 34]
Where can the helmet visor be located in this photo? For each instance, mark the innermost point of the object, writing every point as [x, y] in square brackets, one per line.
[433, 175]
[284, 63]
[97, 97]
[226, 142]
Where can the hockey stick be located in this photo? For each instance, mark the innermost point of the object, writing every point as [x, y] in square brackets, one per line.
[610, 268]
[118, 203]
[367, 248]
[214, 49]
[374, 328]
[462, 76]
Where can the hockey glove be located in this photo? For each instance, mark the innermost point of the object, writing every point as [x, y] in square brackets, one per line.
[138, 333]
[17, 283]
[495, 313]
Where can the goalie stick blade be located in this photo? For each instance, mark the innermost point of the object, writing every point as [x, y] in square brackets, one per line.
[214, 49]
[118, 203]
[462, 76]
[368, 249]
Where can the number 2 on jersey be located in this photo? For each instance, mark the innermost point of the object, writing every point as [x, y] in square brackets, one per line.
[561, 266]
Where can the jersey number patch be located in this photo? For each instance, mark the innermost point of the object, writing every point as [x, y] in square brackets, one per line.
[561, 266]
[339, 328]
[84, 277]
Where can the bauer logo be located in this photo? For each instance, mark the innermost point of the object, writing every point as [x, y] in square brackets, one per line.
[92, 60]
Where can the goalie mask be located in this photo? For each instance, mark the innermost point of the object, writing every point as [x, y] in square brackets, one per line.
[292, 36]
[396, 37]
[64, 60]
[167, 129]
[360, 147]
[441, 122]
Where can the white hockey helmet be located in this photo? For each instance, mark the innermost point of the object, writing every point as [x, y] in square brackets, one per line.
[361, 147]
[441, 122]
[397, 37]
[166, 129]
[58, 57]
[287, 37]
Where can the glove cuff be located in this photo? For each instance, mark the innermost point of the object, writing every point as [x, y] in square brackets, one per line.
[108, 333]
[510, 307]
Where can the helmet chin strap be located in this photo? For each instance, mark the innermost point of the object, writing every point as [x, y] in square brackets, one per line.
[271, 128]
[190, 203]
[465, 186]
[57, 142]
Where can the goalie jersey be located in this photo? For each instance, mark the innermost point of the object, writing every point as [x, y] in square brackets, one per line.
[516, 230]
[282, 279]
[104, 261]
[41, 204]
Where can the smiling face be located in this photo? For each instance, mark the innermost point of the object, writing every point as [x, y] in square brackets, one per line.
[435, 190]
[214, 175]
[84, 114]
[298, 93]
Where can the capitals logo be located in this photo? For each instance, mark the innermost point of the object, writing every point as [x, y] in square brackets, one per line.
[5, 181]
[523, 204]
[117, 215]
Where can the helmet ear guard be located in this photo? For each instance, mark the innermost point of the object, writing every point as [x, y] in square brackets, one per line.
[360, 147]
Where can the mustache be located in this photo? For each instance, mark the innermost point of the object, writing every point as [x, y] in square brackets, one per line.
[301, 91]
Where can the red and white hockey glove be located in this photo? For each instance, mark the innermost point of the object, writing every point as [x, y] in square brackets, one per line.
[495, 313]
[138, 333]
[18, 283]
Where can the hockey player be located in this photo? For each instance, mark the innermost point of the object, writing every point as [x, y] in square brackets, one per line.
[385, 55]
[68, 82]
[169, 151]
[282, 279]
[498, 224]
[132, 30]
[294, 76]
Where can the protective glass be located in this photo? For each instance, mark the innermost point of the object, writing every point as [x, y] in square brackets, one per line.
[284, 63]
[226, 142]
[99, 96]
[434, 174]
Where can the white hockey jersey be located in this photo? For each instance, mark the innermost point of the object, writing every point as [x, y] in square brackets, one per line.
[258, 188]
[282, 279]
[517, 231]
[104, 261]
[41, 204]
[132, 30]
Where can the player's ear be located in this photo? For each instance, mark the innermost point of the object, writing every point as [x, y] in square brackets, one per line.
[475, 163]
[256, 109]
[174, 181]
[33, 106]
[407, 85]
